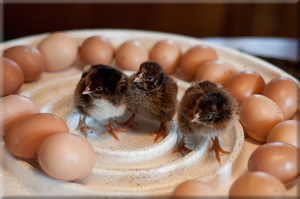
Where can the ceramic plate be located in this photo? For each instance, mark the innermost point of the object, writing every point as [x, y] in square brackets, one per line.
[135, 165]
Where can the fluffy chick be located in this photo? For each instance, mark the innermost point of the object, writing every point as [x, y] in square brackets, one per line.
[208, 110]
[151, 95]
[100, 94]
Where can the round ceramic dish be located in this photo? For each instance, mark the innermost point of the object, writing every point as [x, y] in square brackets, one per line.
[135, 165]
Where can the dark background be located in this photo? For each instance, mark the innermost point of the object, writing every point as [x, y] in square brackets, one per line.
[191, 19]
[197, 19]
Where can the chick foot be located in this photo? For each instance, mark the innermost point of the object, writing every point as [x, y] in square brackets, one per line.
[161, 132]
[82, 126]
[217, 148]
[130, 123]
[181, 148]
[112, 130]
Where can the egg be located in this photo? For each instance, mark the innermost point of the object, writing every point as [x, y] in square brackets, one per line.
[193, 188]
[59, 50]
[258, 114]
[96, 50]
[216, 71]
[12, 76]
[256, 184]
[29, 59]
[284, 92]
[285, 131]
[131, 54]
[24, 137]
[296, 116]
[14, 108]
[167, 53]
[66, 156]
[277, 159]
[244, 84]
[194, 58]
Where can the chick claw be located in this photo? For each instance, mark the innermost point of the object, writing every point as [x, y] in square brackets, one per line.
[217, 148]
[161, 132]
[130, 123]
[111, 129]
[181, 148]
[82, 126]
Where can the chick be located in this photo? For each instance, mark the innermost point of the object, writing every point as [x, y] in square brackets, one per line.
[208, 110]
[100, 94]
[151, 95]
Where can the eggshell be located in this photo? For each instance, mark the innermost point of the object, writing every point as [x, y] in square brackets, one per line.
[258, 114]
[24, 137]
[278, 159]
[66, 156]
[96, 50]
[193, 188]
[194, 58]
[256, 184]
[284, 92]
[285, 131]
[29, 59]
[217, 71]
[296, 116]
[167, 53]
[244, 84]
[59, 50]
[14, 108]
[131, 54]
[12, 77]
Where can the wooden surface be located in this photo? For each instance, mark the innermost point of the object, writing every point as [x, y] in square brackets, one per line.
[191, 19]
[198, 19]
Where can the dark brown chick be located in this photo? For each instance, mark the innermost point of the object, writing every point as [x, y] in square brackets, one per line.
[208, 110]
[151, 95]
[100, 94]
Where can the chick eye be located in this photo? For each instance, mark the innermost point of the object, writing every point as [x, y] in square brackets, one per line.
[150, 78]
[99, 88]
[208, 117]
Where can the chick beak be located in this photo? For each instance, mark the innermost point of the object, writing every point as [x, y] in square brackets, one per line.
[86, 91]
[194, 119]
[139, 78]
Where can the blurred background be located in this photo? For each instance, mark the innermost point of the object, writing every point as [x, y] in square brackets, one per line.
[211, 21]
[192, 19]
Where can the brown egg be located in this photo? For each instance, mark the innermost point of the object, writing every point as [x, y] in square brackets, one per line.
[277, 159]
[24, 137]
[15, 108]
[59, 50]
[194, 58]
[258, 114]
[131, 54]
[244, 84]
[296, 116]
[167, 53]
[12, 76]
[66, 156]
[284, 92]
[96, 50]
[256, 184]
[29, 59]
[285, 131]
[217, 71]
[193, 188]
